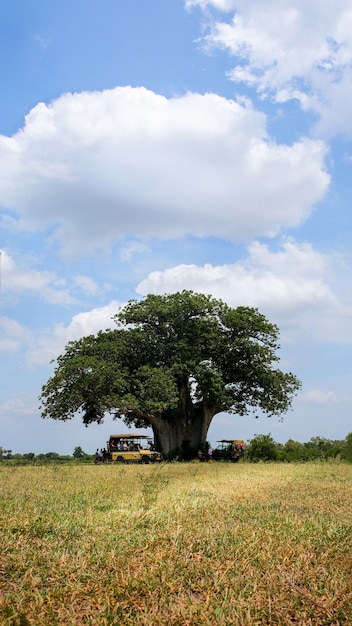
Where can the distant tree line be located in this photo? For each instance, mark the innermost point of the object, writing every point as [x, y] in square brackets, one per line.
[264, 448]
[260, 448]
[30, 458]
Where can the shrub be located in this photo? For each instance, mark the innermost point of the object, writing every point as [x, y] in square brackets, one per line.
[262, 448]
[348, 448]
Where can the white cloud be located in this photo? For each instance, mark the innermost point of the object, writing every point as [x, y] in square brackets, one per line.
[318, 396]
[11, 335]
[222, 5]
[18, 407]
[17, 278]
[292, 50]
[92, 168]
[292, 286]
[48, 346]
[87, 285]
[131, 249]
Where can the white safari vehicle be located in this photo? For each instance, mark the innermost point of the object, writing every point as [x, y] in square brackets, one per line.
[132, 448]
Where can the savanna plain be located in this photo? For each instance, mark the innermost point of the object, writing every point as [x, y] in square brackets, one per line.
[177, 544]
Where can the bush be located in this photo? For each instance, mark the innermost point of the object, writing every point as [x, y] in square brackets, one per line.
[262, 448]
[348, 448]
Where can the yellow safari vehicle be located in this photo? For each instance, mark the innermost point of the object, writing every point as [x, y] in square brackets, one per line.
[132, 448]
[229, 450]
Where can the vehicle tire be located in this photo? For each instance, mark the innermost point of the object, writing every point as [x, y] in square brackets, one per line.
[120, 459]
[145, 459]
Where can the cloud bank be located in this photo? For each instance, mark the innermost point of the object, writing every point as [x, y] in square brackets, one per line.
[92, 168]
[293, 286]
[290, 51]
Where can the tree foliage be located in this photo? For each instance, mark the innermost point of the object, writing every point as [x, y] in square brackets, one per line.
[348, 448]
[262, 448]
[172, 363]
[78, 453]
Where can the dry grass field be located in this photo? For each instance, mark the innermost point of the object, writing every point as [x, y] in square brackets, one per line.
[176, 545]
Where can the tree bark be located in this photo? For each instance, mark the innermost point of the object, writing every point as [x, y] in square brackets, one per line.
[182, 434]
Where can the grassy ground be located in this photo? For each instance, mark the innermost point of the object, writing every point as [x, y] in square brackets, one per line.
[176, 545]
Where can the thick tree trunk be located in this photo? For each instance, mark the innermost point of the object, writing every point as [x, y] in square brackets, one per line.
[180, 433]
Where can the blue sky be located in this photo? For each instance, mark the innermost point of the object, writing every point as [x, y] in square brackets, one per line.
[154, 147]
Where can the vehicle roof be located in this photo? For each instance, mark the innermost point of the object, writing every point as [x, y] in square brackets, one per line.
[129, 436]
[229, 440]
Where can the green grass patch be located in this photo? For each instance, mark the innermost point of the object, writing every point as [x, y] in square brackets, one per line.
[178, 544]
